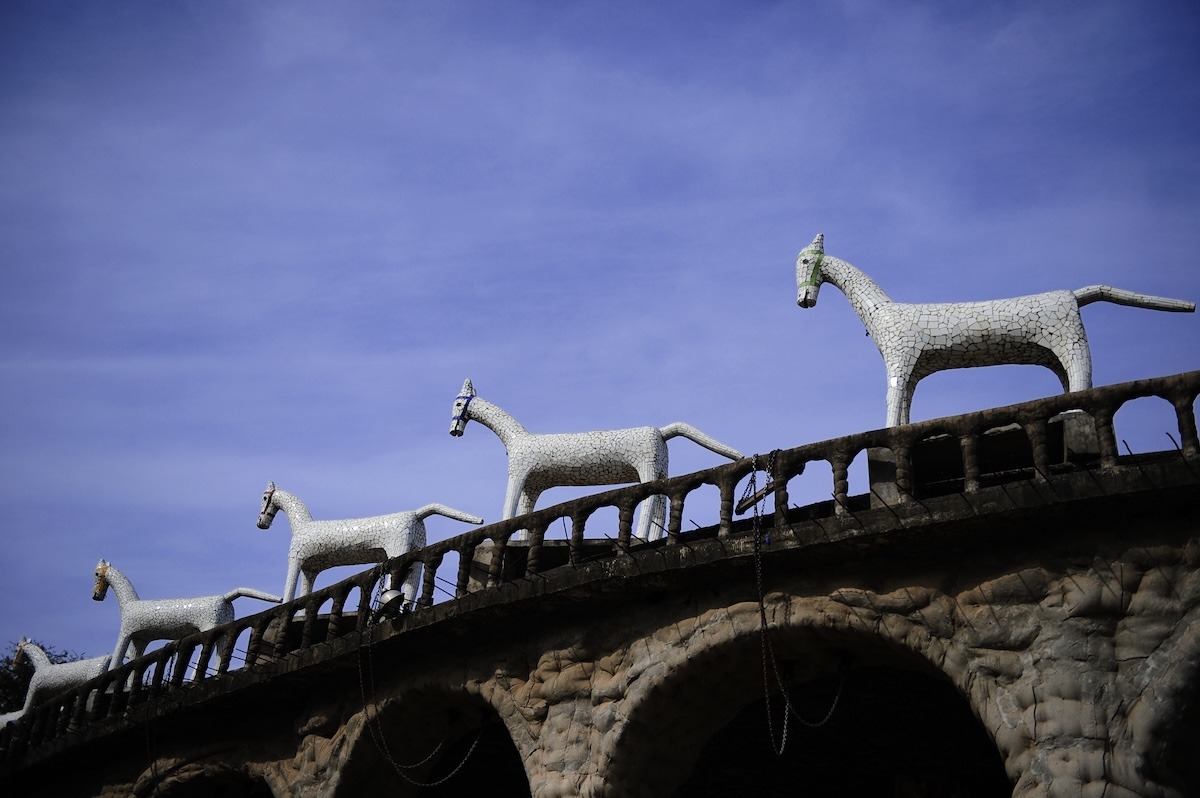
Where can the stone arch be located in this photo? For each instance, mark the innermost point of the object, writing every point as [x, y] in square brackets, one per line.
[1164, 719]
[680, 696]
[431, 741]
[198, 780]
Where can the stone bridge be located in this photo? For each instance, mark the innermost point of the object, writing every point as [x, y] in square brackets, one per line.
[1008, 608]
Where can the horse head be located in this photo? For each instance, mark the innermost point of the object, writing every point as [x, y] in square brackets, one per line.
[100, 589]
[19, 655]
[808, 272]
[267, 514]
[458, 413]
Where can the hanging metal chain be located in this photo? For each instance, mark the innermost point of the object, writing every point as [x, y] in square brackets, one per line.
[769, 660]
[768, 653]
[366, 687]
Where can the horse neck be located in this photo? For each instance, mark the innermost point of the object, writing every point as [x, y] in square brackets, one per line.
[37, 657]
[507, 428]
[296, 510]
[864, 294]
[121, 586]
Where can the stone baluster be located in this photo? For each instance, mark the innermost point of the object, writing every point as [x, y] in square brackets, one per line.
[215, 642]
[904, 484]
[1106, 435]
[59, 719]
[625, 508]
[727, 485]
[256, 636]
[336, 613]
[675, 516]
[1185, 414]
[136, 687]
[462, 581]
[431, 563]
[79, 709]
[497, 563]
[782, 468]
[158, 669]
[183, 654]
[1035, 431]
[533, 559]
[969, 445]
[841, 481]
[362, 615]
[578, 521]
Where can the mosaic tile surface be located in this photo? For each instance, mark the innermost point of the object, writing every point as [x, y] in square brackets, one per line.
[537, 462]
[318, 545]
[145, 620]
[50, 678]
[917, 340]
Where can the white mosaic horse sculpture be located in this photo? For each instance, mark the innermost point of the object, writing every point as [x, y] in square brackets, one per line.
[918, 340]
[51, 678]
[317, 545]
[538, 462]
[145, 620]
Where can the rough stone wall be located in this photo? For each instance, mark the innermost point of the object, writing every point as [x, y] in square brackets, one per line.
[1078, 658]
[1076, 667]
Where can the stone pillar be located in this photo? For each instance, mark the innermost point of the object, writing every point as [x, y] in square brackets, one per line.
[881, 472]
[1079, 440]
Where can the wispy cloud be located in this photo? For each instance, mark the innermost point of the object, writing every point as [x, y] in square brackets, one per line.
[250, 242]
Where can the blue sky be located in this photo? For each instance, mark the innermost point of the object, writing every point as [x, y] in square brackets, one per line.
[243, 242]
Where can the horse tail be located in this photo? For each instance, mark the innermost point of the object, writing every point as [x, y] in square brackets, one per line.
[250, 592]
[449, 512]
[1119, 296]
[696, 436]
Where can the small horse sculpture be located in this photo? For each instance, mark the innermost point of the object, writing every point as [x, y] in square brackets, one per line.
[918, 340]
[143, 621]
[538, 462]
[317, 545]
[51, 678]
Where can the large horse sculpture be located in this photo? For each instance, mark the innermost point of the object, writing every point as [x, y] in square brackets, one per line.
[317, 545]
[917, 340]
[538, 462]
[50, 678]
[145, 620]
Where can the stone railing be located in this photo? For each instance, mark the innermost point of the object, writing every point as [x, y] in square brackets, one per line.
[254, 646]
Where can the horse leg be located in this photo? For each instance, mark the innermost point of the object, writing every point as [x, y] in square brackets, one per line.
[525, 504]
[652, 522]
[289, 587]
[308, 576]
[412, 581]
[1076, 357]
[528, 499]
[516, 489]
[900, 389]
[118, 656]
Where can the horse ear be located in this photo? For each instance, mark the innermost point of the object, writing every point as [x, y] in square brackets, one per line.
[818, 243]
[270, 486]
[468, 389]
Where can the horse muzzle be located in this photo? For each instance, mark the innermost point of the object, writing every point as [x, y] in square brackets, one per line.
[806, 297]
[264, 521]
[456, 427]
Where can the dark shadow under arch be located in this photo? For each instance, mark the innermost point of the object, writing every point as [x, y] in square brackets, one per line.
[434, 744]
[1180, 765]
[227, 783]
[893, 732]
[900, 728]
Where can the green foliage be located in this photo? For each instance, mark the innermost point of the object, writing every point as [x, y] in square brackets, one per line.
[14, 677]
